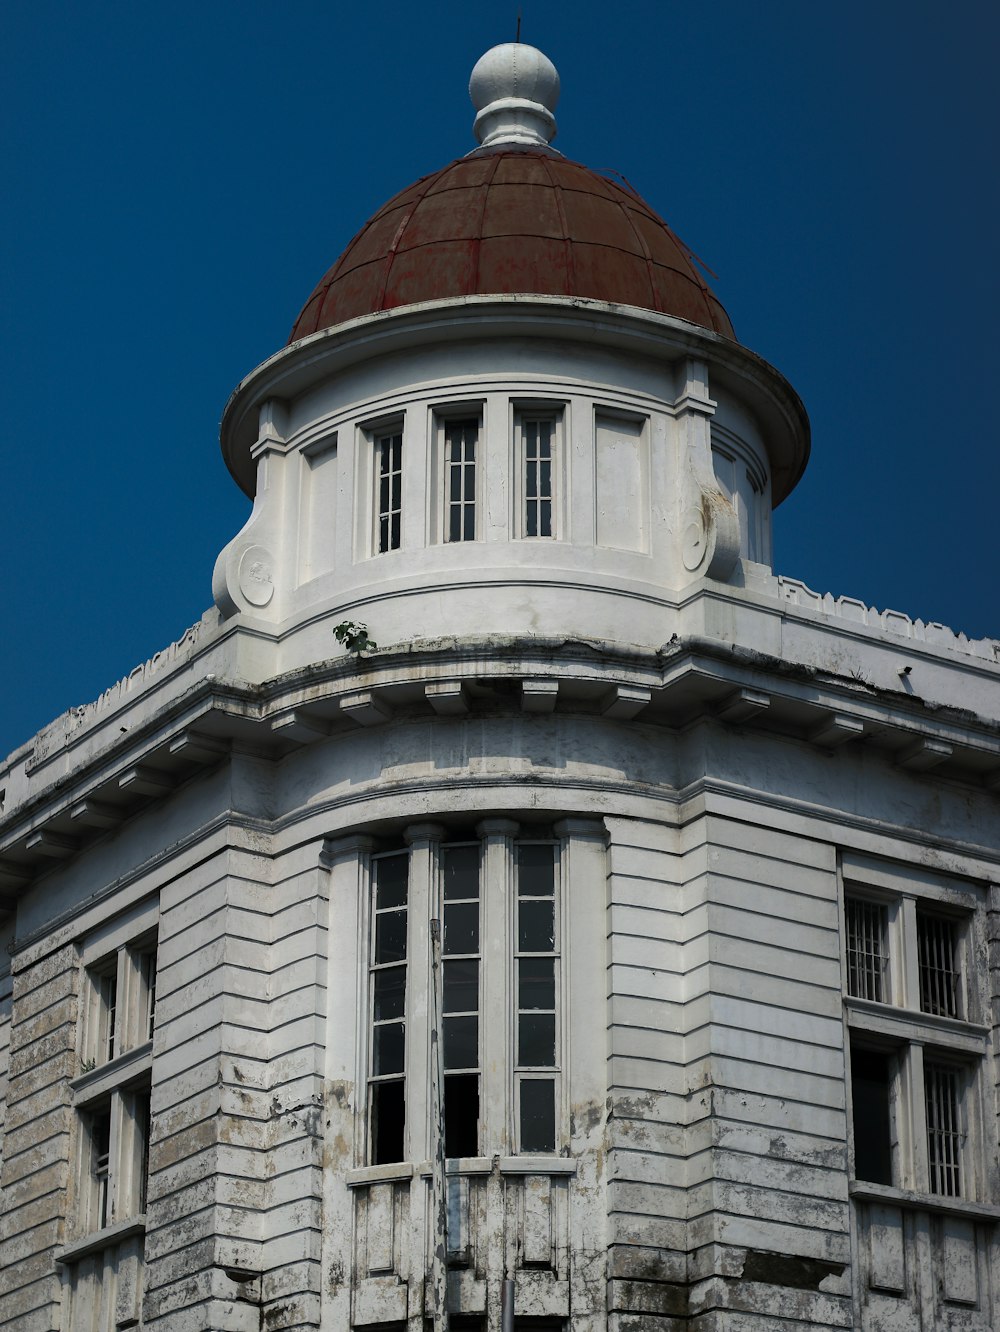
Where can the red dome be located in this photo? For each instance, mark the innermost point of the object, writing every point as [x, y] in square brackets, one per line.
[505, 220]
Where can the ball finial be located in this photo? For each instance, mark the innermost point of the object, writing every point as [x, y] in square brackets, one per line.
[515, 90]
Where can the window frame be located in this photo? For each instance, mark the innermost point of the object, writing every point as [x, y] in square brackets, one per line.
[914, 1039]
[443, 418]
[497, 987]
[553, 412]
[114, 1084]
[384, 435]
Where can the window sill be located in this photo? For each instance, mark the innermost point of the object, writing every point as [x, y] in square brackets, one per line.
[378, 1174]
[102, 1239]
[910, 1025]
[462, 1165]
[101, 1081]
[862, 1191]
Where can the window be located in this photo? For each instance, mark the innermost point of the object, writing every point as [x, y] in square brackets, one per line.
[433, 960]
[866, 951]
[461, 442]
[538, 465]
[937, 945]
[536, 960]
[112, 1092]
[945, 1138]
[460, 998]
[915, 1055]
[388, 489]
[388, 993]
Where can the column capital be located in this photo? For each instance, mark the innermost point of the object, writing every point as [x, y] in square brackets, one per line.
[339, 848]
[423, 832]
[498, 828]
[581, 828]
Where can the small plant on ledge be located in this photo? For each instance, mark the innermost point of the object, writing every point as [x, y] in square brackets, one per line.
[354, 637]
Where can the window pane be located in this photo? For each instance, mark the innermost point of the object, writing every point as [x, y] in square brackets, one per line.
[461, 927]
[461, 871]
[390, 993]
[461, 1042]
[944, 1132]
[389, 1046]
[536, 869]
[536, 982]
[870, 1088]
[390, 936]
[536, 932]
[391, 877]
[388, 1121]
[461, 986]
[538, 1115]
[461, 1114]
[536, 1040]
[938, 969]
[866, 950]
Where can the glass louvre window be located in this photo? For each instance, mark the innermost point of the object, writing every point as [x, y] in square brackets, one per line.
[108, 990]
[100, 1147]
[866, 949]
[389, 490]
[938, 970]
[537, 434]
[461, 439]
[535, 964]
[388, 1001]
[460, 1001]
[147, 975]
[141, 1119]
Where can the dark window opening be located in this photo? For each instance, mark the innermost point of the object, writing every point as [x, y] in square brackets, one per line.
[871, 1089]
[538, 1115]
[388, 1122]
[461, 1114]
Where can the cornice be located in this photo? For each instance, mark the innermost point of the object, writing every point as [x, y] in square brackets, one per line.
[674, 688]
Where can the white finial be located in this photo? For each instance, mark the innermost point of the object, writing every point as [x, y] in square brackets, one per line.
[515, 90]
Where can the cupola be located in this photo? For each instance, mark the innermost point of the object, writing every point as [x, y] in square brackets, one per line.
[514, 216]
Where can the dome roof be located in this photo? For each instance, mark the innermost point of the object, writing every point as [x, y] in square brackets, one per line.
[515, 218]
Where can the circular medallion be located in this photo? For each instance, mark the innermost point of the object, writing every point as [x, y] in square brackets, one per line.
[257, 575]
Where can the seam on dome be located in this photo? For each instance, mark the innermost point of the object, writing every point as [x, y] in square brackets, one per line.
[390, 254]
[648, 257]
[567, 239]
[482, 219]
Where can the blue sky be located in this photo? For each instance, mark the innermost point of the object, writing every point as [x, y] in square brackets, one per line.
[178, 177]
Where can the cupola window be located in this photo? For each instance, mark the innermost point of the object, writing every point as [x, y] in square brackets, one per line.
[461, 443]
[538, 464]
[388, 490]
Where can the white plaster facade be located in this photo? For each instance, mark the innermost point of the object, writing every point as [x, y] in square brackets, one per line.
[737, 792]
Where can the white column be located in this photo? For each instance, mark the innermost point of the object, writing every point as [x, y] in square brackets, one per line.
[496, 1108]
[348, 862]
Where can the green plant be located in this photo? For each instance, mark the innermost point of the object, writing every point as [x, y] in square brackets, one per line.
[354, 637]
[87, 1065]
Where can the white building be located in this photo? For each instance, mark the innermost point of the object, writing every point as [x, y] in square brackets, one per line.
[555, 919]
